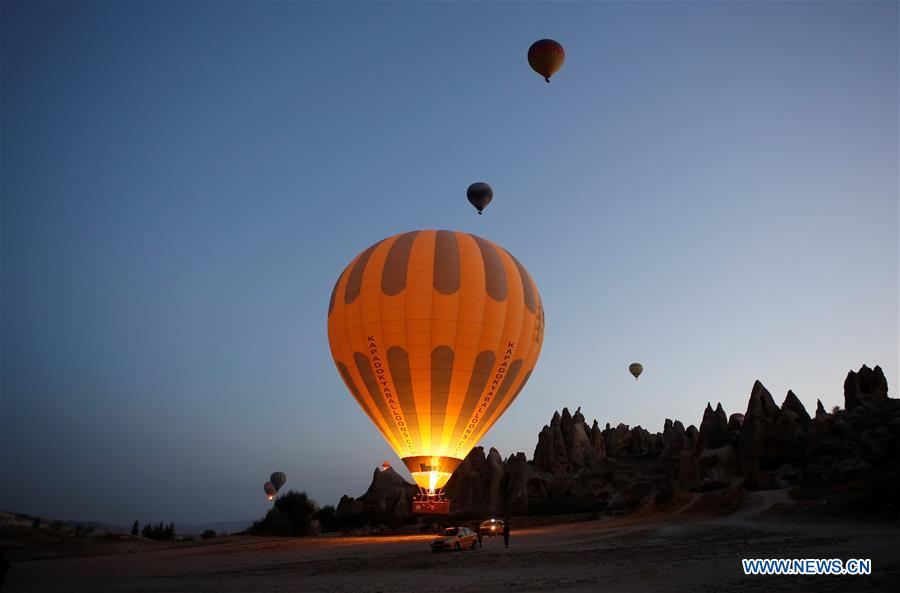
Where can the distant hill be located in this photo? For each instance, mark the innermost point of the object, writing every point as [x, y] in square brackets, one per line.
[220, 527]
[13, 519]
[21, 520]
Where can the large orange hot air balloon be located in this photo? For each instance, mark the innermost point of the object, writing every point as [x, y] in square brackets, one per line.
[546, 57]
[435, 333]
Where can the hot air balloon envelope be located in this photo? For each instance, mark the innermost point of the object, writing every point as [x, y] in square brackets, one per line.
[636, 369]
[270, 490]
[435, 334]
[480, 195]
[278, 479]
[546, 57]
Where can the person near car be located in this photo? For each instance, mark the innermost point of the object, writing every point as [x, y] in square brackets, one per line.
[506, 533]
[4, 567]
[478, 533]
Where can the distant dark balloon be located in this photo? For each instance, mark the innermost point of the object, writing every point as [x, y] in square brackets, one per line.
[636, 369]
[278, 479]
[546, 57]
[480, 195]
[270, 490]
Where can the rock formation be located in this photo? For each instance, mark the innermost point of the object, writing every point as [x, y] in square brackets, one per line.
[567, 444]
[579, 468]
[867, 386]
[479, 483]
[713, 428]
[389, 493]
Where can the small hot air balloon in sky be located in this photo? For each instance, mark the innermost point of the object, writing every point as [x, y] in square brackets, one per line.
[278, 479]
[546, 57]
[435, 334]
[270, 490]
[480, 195]
[636, 369]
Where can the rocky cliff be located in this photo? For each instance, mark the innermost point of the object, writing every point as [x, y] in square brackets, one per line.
[579, 467]
[388, 494]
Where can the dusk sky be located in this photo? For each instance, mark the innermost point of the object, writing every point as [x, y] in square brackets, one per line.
[708, 188]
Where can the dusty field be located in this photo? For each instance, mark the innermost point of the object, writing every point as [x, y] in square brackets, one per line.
[651, 554]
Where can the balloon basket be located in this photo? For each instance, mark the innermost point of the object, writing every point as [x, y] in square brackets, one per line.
[425, 503]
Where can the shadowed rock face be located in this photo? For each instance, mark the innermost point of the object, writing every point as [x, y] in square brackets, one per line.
[567, 444]
[389, 493]
[793, 404]
[713, 428]
[867, 386]
[579, 468]
[479, 483]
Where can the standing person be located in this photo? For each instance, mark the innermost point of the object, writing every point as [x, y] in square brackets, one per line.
[478, 533]
[506, 533]
[4, 567]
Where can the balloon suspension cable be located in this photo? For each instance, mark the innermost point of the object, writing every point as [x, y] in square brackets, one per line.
[431, 502]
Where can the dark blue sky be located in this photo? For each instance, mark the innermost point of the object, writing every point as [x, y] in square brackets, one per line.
[709, 188]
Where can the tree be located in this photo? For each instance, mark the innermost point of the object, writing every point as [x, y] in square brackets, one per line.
[289, 516]
[135, 528]
[159, 532]
[298, 509]
[326, 518]
[208, 533]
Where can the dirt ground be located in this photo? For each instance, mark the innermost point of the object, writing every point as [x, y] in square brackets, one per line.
[652, 553]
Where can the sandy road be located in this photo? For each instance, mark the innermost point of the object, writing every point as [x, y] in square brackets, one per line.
[610, 555]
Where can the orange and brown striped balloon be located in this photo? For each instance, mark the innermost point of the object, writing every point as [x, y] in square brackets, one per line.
[546, 57]
[435, 333]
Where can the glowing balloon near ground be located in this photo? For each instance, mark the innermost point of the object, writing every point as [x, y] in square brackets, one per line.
[435, 334]
[270, 490]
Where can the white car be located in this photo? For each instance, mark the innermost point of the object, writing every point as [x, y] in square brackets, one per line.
[492, 527]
